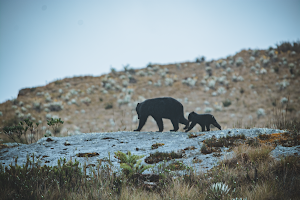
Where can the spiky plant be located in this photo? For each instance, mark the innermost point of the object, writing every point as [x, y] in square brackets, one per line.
[218, 190]
[131, 163]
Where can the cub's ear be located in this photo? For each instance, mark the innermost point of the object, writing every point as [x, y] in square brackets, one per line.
[138, 104]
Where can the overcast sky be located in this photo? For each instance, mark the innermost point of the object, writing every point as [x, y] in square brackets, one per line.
[41, 41]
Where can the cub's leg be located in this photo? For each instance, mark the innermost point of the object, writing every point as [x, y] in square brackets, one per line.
[202, 127]
[208, 127]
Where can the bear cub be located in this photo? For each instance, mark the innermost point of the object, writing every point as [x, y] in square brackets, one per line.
[204, 120]
[158, 108]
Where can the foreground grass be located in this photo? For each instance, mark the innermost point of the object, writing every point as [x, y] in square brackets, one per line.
[251, 173]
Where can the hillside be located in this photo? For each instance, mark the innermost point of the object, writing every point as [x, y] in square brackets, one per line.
[242, 91]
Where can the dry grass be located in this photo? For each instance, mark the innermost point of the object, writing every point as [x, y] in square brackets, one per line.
[249, 154]
[250, 173]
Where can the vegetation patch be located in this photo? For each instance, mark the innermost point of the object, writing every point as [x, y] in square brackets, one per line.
[87, 154]
[207, 150]
[286, 139]
[108, 106]
[196, 160]
[2, 146]
[226, 103]
[131, 164]
[214, 144]
[288, 46]
[16, 132]
[177, 165]
[49, 140]
[160, 156]
[192, 135]
[156, 145]
[30, 181]
[190, 148]
[224, 141]
[108, 138]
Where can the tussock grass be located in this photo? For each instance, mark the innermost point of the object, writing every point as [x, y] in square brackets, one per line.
[247, 153]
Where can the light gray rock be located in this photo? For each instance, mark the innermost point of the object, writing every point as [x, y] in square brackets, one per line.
[139, 143]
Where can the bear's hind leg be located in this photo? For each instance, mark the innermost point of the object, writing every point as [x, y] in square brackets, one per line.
[175, 124]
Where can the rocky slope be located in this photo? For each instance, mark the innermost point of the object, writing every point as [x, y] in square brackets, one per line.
[240, 91]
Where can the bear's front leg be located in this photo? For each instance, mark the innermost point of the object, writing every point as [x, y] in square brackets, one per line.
[141, 123]
[191, 126]
[182, 120]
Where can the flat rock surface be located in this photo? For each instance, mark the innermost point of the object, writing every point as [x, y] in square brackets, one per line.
[48, 151]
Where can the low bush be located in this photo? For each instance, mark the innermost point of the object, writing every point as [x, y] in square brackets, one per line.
[15, 132]
[55, 124]
[226, 103]
[288, 46]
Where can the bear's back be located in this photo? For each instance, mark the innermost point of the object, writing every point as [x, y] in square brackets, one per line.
[163, 106]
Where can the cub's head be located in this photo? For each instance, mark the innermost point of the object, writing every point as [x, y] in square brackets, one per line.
[191, 116]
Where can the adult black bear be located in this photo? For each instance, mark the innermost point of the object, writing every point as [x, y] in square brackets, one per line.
[158, 108]
[204, 120]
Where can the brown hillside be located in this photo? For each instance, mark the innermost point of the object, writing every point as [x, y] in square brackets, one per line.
[250, 80]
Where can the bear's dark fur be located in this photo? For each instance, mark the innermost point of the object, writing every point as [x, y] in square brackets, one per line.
[158, 108]
[204, 120]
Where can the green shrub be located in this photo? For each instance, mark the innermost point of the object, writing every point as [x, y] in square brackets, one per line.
[288, 46]
[15, 132]
[226, 103]
[131, 163]
[200, 59]
[55, 124]
[108, 106]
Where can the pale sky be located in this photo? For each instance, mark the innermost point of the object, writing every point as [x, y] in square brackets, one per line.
[42, 41]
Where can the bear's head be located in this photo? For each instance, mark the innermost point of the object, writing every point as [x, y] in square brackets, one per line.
[138, 110]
